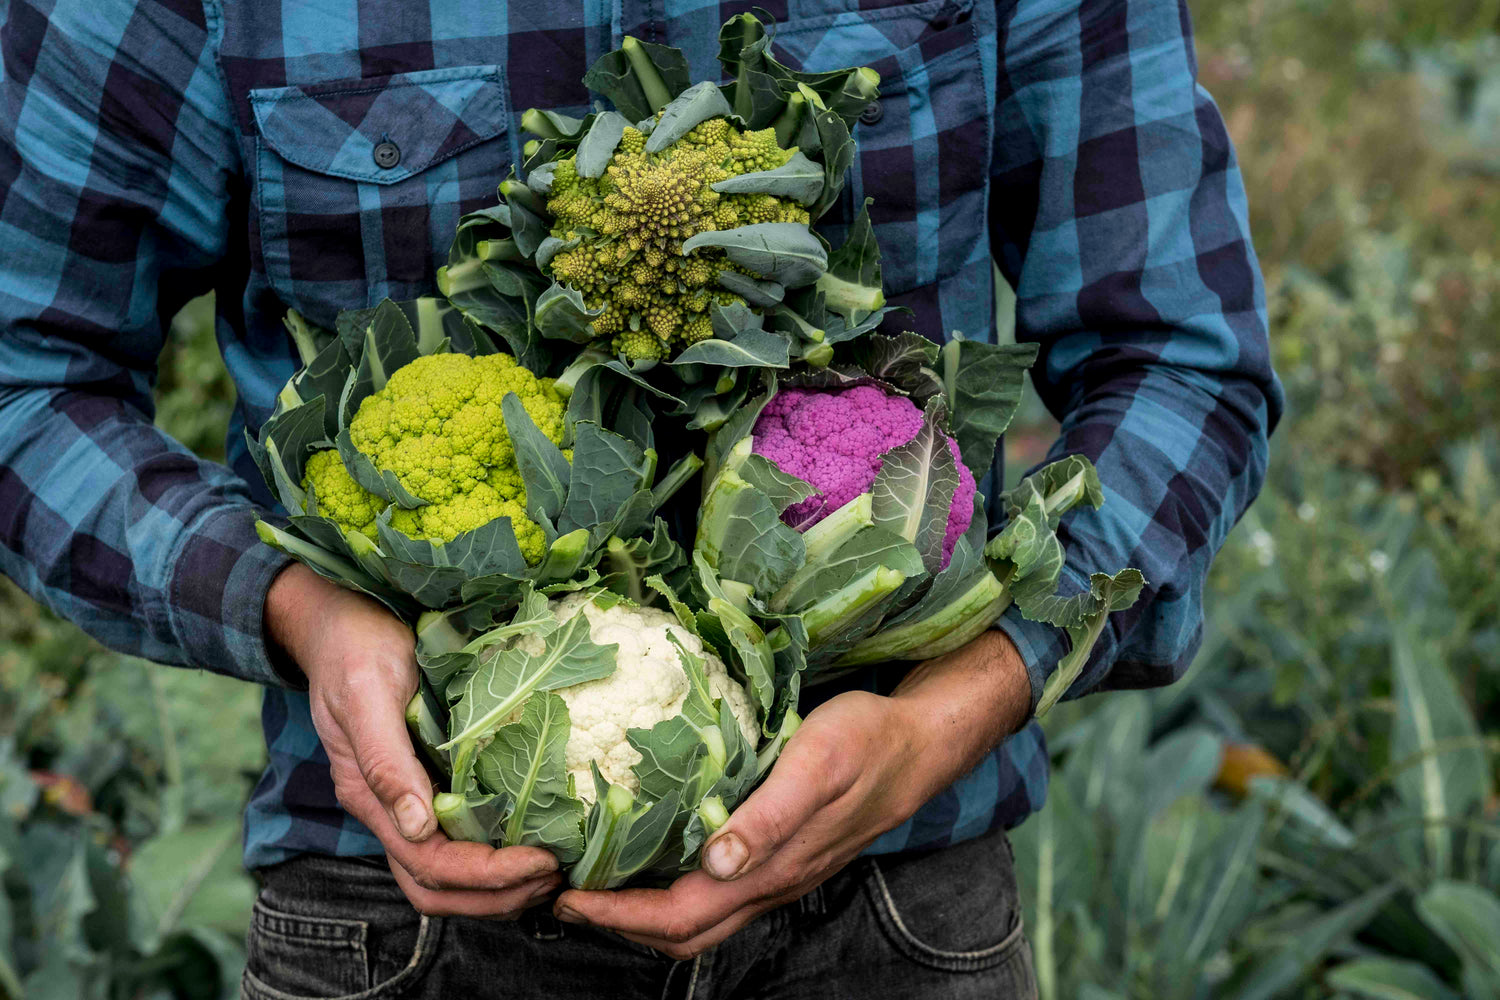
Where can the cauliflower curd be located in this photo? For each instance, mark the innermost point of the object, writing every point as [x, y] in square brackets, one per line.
[648, 686]
[438, 426]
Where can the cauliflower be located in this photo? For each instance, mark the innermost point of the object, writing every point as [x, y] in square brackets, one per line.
[648, 685]
[835, 440]
[627, 228]
[437, 425]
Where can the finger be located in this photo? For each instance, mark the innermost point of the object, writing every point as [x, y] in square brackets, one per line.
[388, 761]
[684, 950]
[439, 863]
[692, 905]
[792, 794]
[505, 904]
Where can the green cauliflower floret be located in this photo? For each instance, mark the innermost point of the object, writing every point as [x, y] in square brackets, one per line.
[628, 227]
[438, 426]
[338, 496]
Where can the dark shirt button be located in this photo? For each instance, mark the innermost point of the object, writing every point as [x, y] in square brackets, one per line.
[388, 154]
[872, 113]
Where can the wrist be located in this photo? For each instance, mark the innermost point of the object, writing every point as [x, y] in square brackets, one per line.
[961, 705]
[295, 601]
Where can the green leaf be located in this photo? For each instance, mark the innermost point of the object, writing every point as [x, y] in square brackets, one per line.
[741, 535]
[799, 179]
[527, 759]
[1091, 611]
[786, 252]
[607, 471]
[689, 109]
[1279, 970]
[1443, 769]
[782, 489]
[852, 286]
[669, 751]
[614, 76]
[543, 467]
[1381, 978]
[750, 348]
[561, 315]
[913, 491]
[193, 878]
[629, 565]
[1468, 918]
[874, 546]
[598, 146]
[760, 294]
[983, 383]
[505, 679]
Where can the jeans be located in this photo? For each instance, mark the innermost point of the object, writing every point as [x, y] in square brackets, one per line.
[940, 924]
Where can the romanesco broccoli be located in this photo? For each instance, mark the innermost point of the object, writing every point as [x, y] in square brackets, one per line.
[629, 224]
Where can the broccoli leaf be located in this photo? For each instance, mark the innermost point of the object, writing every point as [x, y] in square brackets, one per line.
[622, 81]
[799, 178]
[543, 467]
[526, 759]
[914, 489]
[983, 384]
[607, 471]
[560, 314]
[751, 348]
[852, 287]
[689, 109]
[786, 252]
[505, 679]
[1084, 616]
[599, 145]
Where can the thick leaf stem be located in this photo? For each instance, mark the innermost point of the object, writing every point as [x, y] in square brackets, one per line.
[652, 85]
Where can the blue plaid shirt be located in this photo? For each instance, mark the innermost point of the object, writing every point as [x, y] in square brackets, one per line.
[150, 152]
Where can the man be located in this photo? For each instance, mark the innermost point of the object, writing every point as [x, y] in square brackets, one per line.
[318, 155]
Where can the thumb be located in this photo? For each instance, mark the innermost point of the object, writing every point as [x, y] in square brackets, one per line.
[790, 796]
[388, 761]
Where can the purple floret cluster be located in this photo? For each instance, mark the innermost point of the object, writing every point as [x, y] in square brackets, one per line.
[834, 439]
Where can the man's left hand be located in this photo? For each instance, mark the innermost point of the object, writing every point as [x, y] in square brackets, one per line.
[860, 765]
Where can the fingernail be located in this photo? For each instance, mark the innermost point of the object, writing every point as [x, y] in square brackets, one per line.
[724, 858]
[568, 915]
[411, 817]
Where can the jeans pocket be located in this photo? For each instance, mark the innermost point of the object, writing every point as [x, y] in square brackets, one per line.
[956, 909]
[337, 946]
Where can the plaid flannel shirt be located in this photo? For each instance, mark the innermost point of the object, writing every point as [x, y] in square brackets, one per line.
[152, 151]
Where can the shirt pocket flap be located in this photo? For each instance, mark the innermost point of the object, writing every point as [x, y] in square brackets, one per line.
[346, 128]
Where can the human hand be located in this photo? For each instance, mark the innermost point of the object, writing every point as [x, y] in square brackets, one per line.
[361, 669]
[860, 765]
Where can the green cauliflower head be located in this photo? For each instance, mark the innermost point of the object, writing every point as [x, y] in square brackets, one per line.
[438, 426]
[629, 224]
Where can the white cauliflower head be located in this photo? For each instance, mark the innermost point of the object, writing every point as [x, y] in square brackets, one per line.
[648, 686]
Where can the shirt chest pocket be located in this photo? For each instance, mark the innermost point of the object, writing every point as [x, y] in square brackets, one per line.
[924, 146]
[359, 184]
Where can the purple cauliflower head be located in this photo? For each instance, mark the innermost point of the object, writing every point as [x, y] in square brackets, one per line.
[834, 439]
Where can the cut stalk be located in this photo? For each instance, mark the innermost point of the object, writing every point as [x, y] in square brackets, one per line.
[608, 828]
[975, 609]
[457, 818]
[654, 87]
[838, 609]
[823, 539]
[790, 120]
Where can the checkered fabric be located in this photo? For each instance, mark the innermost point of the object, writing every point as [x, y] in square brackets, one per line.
[318, 155]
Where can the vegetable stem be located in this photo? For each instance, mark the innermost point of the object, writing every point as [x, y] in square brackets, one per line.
[822, 540]
[654, 87]
[974, 611]
[825, 618]
[789, 120]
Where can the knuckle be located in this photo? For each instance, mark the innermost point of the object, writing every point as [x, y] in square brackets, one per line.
[783, 883]
[679, 952]
[679, 931]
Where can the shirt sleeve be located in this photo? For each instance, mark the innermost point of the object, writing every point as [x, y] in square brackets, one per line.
[117, 163]
[1118, 214]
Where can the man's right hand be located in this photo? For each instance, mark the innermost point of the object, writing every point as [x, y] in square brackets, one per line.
[361, 668]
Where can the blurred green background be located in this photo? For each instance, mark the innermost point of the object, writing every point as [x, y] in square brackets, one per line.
[1311, 812]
